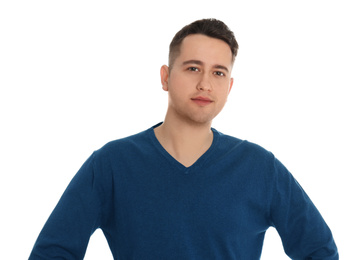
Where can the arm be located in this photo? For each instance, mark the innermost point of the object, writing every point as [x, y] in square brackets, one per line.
[77, 215]
[303, 232]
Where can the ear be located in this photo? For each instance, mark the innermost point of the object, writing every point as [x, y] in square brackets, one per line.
[230, 85]
[164, 77]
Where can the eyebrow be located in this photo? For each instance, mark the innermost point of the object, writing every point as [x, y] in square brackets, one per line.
[198, 62]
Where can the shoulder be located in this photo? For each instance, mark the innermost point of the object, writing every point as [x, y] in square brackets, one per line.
[244, 158]
[255, 160]
[246, 148]
[120, 149]
[129, 142]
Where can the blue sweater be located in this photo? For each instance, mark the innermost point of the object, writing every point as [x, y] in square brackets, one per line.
[149, 206]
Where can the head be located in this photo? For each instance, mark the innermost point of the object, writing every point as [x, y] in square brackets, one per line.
[209, 27]
[198, 79]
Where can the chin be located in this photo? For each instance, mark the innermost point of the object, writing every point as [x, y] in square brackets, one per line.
[202, 119]
[194, 117]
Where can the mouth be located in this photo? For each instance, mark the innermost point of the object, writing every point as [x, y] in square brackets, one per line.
[202, 101]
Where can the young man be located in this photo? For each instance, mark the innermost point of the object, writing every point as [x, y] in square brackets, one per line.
[181, 189]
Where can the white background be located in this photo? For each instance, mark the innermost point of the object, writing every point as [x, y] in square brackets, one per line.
[77, 74]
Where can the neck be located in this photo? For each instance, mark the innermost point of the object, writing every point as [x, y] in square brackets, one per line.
[186, 142]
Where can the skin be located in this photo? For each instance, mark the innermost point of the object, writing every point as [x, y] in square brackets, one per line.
[198, 86]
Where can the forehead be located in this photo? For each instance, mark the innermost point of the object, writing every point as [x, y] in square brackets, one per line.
[204, 48]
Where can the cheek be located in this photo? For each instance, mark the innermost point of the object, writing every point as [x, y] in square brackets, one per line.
[223, 91]
[179, 85]
[177, 91]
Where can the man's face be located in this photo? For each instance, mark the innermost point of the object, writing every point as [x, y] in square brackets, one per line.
[200, 79]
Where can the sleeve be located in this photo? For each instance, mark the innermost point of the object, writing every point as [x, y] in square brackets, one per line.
[77, 215]
[303, 232]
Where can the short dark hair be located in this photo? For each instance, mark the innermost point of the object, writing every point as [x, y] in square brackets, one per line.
[209, 27]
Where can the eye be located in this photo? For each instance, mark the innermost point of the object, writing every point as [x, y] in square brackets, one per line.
[219, 73]
[192, 69]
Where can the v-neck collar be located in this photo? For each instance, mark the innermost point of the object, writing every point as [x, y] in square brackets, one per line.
[197, 164]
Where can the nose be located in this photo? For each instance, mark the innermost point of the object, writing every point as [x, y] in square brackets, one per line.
[204, 83]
